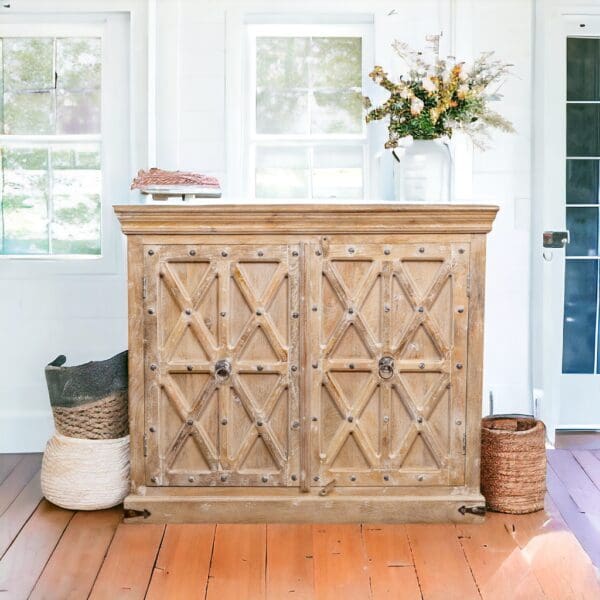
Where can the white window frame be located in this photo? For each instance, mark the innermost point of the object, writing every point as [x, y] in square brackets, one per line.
[252, 139]
[114, 138]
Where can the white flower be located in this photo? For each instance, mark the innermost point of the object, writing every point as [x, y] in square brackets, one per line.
[416, 106]
[428, 85]
[462, 91]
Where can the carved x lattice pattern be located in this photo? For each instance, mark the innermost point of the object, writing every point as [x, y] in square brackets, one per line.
[236, 305]
[376, 429]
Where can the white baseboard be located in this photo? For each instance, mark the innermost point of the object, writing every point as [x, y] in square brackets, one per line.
[25, 431]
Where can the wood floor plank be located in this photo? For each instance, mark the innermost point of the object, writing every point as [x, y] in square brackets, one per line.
[560, 564]
[590, 464]
[7, 463]
[440, 563]
[18, 478]
[238, 564]
[183, 563]
[500, 568]
[128, 565]
[17, 514]
[290, 562]
[22, 564]
[71, 571]
[581, 488]
[391, 570]
[585, 527]
[340, 563]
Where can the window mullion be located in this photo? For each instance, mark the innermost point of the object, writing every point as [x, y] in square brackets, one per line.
[50, 200]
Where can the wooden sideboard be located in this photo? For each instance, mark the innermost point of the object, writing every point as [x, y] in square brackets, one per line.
[305, 363]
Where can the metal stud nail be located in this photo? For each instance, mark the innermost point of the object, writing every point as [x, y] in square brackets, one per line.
[459, 422]
[386, 477]
[223, 477]
[293, 477]
[150, 311]
[188, 311]
[315, 419]
[420, 477]
[386, 419]
[350, 419]
[152, 429]
[421, 250]
[189, 422]
[259, 423]
[261, 253]
[223, 313]
[461, 250]
[259, 312]
[318, 252]
[419, 419]
[191, 479]
[351, 311]
[259, 367]
[314, 308]
[295, 315]
[295, 253]
[150, 252]
[386, 308]
[223, 421]
[421, 365]
[351, 250]
[192, 253]
[387, 251]
[294, 368]
[316, 478]
[154, 479]
[153, 367]
[295, 424]
[459, 365]
[224, 253]
[351, 366]
[460, 309]
[190, 368]
[315, 365]
[352, 477]
[264, 479]
[420, 309]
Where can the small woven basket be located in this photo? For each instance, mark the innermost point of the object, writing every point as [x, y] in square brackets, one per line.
[83, 474]
[513, 463]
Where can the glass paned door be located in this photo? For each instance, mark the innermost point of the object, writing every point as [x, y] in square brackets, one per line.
[581, 347]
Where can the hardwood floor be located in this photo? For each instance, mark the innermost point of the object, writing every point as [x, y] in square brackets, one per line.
[50, 553]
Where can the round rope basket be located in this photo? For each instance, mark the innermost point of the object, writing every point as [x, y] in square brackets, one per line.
[82, 474]
[513, 463]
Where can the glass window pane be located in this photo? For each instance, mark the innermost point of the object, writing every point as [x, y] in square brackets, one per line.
[583, 181]
[282, 112]
[25, 200]
[281, 63]
[78, 112]
[337, 112]
[582, 224]
[75, 228]
[282, 172]
[337, 172]
[583, 69]
[336, 62]
[583, 130]
[28, 113]
[28, 64]
[78, 64]
[579, 329]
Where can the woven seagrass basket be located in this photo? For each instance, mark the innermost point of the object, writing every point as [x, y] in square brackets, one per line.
[513, 463]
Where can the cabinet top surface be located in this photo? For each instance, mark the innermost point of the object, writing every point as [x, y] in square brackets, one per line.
[204, 217]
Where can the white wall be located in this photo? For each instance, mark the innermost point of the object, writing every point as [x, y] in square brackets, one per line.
[84, 317]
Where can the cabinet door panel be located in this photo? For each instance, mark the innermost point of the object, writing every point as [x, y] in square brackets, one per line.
[387, 347]
[221, 335]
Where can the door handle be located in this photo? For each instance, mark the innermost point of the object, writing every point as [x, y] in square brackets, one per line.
[222, 370]
[386, 367]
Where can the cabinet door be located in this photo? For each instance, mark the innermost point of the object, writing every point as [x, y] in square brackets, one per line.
[387, 348]
[221, 331]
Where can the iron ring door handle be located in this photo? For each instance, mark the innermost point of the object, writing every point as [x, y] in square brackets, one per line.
[222, 370]
[386, 367]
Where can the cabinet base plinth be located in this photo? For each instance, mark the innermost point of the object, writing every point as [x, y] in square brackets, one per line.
[303, 508]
